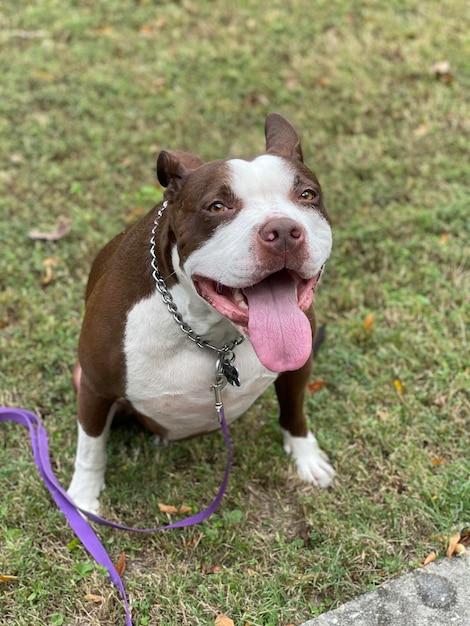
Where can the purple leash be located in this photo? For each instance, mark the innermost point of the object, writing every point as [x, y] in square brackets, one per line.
[79, 525]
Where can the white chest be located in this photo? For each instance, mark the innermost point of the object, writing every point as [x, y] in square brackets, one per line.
[169, 378]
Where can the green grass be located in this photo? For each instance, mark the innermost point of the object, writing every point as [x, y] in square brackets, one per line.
[90, 92]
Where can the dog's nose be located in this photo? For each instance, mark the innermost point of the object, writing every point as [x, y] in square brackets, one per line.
[281, 234]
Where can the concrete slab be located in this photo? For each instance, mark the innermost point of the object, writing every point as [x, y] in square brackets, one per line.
[436, 595]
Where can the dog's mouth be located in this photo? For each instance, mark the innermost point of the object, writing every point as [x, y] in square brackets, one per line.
[271, 312]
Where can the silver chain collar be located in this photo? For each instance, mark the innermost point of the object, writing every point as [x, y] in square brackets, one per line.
[225, 353]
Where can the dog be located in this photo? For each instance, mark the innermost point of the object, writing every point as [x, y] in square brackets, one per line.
[223, 271]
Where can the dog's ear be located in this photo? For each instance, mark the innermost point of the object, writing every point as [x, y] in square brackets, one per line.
[175, 165]
[281, 137]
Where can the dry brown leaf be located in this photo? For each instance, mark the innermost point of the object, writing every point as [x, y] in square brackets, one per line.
[49, 264]
[146, 30]
[440, 400]
[223, 620]
[453, 541]
[383, 415]
[7, 579]
[184, 509]
[461, 549]
[421, 130]
[465, 537]
[444, 239]
[94, 598]
[429, 559]
[399, 386]
[438, 461]
[167, 508]
[369, 321]
[316, 386]
[63, 226]
[441, 68]
[120, 566]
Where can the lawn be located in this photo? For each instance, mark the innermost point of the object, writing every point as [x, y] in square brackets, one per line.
[380, 93]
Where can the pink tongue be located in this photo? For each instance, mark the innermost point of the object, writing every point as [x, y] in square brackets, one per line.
[279, 331]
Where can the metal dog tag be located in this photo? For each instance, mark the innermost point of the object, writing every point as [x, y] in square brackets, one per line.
[229, 370]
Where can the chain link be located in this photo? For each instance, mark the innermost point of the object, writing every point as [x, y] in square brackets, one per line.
[170, 303]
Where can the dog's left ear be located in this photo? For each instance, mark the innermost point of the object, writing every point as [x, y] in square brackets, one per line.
[281, 137]
[175, 165]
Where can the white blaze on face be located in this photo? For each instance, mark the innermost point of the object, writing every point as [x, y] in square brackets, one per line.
[235, 257]
[263, 186]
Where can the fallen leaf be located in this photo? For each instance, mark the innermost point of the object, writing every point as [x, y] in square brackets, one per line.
[399, 386]
[438, 461]
[223, 620]
[94, 598]
[316, 386]
[63, 226]
[146, 30]
[120, 566]
[383, 415]
[440, 400]
[453, 541]
[465, 537]
[460, 549]
[167, 508]
[369, 321]
[215, 569]
[184, 509]
[7, 579]
[49, 264]
[422, 130]
[440, 68]
[429, 559]
[443, 239]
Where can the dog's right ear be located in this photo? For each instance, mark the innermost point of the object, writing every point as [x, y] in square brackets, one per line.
[281, 137]
[175, 165]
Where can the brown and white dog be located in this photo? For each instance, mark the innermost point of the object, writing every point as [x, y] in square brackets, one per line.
[241, 246]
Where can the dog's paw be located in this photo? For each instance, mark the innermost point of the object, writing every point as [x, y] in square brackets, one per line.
[158, 441]
[85, 490]
[311, 462]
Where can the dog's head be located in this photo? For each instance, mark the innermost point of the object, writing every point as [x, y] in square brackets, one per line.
[251, 238]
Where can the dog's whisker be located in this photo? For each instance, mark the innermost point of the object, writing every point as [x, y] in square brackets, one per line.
[169, 276]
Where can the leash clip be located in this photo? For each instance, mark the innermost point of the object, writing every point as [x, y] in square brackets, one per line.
[220, 382]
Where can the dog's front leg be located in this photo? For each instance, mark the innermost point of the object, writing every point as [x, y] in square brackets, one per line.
[311, 462]
[95, 415]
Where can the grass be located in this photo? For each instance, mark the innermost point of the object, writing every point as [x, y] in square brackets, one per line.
[90, 92]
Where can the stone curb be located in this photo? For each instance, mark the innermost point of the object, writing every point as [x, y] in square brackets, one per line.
[437, 595]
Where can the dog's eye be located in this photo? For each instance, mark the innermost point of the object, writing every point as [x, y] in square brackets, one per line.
[309, 195]
[217, 208]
